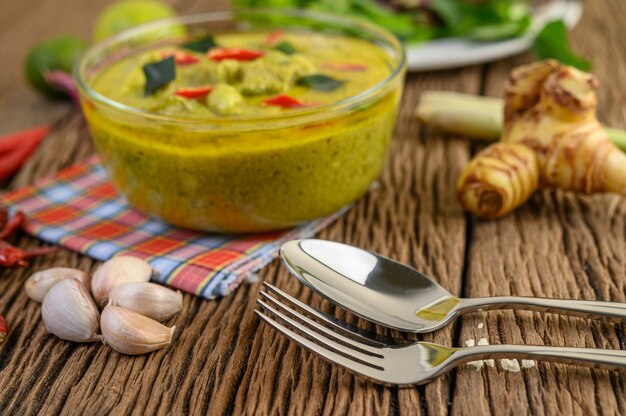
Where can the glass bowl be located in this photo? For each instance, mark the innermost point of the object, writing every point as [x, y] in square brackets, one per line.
[245, 174]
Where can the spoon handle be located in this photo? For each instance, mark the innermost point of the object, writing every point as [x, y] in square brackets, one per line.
[589, 357]
[583, 308]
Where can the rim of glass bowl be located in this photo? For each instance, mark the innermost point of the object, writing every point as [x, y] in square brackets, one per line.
[299, 117]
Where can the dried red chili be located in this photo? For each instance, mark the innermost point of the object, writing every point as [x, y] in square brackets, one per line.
[193, 92]
[4, 216]
[182, 58]
[11, 225]
[286, 101]
[4, 329]
[239, 54]
[11, 256]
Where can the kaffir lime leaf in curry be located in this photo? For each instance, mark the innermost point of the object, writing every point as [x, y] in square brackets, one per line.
[158, 74]
[58, 53]
[126, 14]
[201, 45]
[320, 82]
[286, 48]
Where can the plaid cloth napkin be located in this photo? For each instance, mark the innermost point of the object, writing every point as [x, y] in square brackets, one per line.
[80, 210]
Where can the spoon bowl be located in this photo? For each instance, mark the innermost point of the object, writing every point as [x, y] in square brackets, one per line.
[372, 286]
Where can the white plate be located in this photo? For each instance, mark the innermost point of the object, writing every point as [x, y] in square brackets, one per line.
[457, 52]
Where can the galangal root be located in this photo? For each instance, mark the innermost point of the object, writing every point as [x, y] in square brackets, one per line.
[551, 138]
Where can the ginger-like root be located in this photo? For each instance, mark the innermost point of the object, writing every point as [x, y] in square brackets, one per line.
[551, 138]
[499, 179]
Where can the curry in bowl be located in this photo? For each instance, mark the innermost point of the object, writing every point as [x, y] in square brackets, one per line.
[263, 130]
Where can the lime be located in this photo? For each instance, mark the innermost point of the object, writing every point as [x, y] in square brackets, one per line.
[126, 14]
[58, 53]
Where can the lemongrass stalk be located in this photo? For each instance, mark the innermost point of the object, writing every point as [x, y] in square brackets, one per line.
[475, 116]
[617, 136]
[471, 115]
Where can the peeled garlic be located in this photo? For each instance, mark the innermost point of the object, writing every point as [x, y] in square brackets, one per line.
[69, 312]
[40, 283]
[131, 333]
[149, 299]
[114, 272]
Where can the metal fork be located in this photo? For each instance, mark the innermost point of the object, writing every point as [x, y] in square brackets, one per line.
[406, 364]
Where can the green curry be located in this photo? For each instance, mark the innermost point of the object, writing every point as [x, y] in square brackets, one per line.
[243, 138]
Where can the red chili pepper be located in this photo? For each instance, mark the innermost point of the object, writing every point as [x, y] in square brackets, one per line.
[345, 67]
[273, 37]
[239, 54]
[4, 216]
[38, 251]
[10, 255]
[4, 329]
[11, 226]
[182, 58]
[286, 101]
[13, 256]
[34, 134]
[16, 148]
[193, 92]
[11, 162]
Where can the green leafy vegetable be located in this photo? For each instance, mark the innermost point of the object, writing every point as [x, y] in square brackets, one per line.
[499, 30]
[448, 11]
[552, 42]
[159, 74]
[201, 45]
[321, 82]
[286, 48]
[416, 21]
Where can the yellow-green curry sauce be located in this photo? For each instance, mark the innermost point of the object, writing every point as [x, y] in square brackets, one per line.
[199, 176]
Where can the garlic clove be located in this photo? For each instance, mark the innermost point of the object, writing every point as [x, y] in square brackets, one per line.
[148, 299]
[131, 333]
[114, 272]
[69, 312]
[41, 282]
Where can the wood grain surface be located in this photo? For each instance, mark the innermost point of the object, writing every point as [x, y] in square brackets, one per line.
[224, 361]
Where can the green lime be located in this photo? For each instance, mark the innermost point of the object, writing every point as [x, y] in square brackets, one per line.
[126, 14]
[54, 54]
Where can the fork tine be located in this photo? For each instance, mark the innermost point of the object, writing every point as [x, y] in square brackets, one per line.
[348, 353]
[366, 349]
[326, 353]
[322, 316]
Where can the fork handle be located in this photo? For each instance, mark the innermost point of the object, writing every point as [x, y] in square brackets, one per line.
[589, 357]
[584, 308]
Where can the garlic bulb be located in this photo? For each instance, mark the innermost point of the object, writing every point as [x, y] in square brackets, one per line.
[69, 312]
[40, 283]
[114, 272]
[131, 333]
[149, 299]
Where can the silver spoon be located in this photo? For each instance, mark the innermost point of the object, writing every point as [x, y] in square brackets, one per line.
[397, 296]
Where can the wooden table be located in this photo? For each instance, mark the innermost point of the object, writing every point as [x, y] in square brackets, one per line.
[223, 360]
